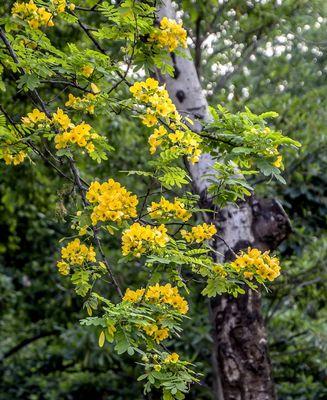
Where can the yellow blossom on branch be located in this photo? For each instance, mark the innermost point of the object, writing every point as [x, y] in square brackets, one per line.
[199, 233]
[112, 202]
[63, 267]
[80, 135]
[60, 5]
[139, 239]
[62, 119]
[254, 262]
[149, 120]
[172, 132]
[76, 253]
[279, 161]
[82, 103]
[169, 35]
[34, 117]
[165, 209]
[12, 157]
[35, 16]
[171, 358]
[87, 70]
[133, 296]
[158, 294]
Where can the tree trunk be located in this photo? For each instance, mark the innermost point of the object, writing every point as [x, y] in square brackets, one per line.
[242, 367]
[240, 336]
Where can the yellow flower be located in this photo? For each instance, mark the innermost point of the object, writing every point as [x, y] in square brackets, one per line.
[170, 35]
[150, 329]
[219, 270]
[248, 274]
[161, 106]
[163, 296]
[13, 158]
[34, 117]
[35, 16]
[151, 84]
[62, 119]
[158, 294]
[63, 268]
[163, 109]
[77, 253]
[177, 136]
[172, 358]
[60, 5]
[87, 71]
[112, 202]
[11, 151]
[81, 103]
[279, 161]
[95, 88]
[199, 233]
[161, 335]
[90, 147]
[149, 120]
[139, 239]
[133, 296]
[80, 135]
[136, 89]
[255, 263]
[71, 100]
[167, 210]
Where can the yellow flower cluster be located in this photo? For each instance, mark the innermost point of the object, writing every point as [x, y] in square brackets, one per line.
[150, 92]
[139, 239]
[199, 233]
[81, 103]
[254, 262]
[160, 295]
[81, 134]
[38, 16]
[34, 117]
[63, 267]
[171, 358]
[113, 202]
[35, 16]
[274, 152]
[62, 119]
[159, 333]
[87, 71]
[179, 137]
[75, 253]
[170, 35]
[165, 209]
[279, 161]
[60, 5]
[13, 158]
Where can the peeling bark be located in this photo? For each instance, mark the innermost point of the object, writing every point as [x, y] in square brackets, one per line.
[240, 353]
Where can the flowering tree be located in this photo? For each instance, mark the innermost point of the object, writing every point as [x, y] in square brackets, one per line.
[157, 228]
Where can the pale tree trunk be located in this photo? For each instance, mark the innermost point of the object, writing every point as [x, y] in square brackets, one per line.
[241, 365]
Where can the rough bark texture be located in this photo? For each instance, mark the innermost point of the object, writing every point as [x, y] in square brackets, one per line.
[240, 337]
[240, 355]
